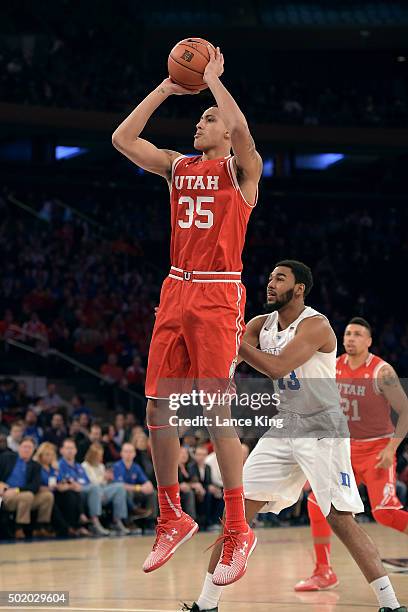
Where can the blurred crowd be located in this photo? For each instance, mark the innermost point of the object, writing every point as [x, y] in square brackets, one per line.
[48, 70]
[93, 297]
[64, 473]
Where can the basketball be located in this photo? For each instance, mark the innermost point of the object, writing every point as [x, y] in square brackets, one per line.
[187, 62]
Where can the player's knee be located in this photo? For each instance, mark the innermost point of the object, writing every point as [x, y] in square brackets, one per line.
[386, 517]
[338, 520]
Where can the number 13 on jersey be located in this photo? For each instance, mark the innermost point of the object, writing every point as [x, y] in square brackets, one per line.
[195, 213]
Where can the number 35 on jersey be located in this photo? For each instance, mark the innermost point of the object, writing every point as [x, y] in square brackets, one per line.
[196, 212]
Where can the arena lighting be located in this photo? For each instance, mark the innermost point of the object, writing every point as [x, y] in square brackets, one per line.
[62, 152]
[268, 167]
[317, 161]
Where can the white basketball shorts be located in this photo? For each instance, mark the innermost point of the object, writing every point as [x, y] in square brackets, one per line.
[278, 468]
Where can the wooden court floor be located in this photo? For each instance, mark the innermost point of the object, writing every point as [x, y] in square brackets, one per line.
[105, 574]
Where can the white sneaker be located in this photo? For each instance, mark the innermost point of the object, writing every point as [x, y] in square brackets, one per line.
[120, 528]
[98, 529]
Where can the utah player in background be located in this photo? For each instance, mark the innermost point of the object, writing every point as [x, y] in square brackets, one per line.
[200, 319]
[369, 387]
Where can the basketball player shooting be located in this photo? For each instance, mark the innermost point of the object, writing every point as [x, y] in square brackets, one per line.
[200, 319]
[369, 387]
[298, 349]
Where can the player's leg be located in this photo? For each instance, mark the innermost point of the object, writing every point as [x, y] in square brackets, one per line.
[381, 487]
[211, 593]
[270, 474]
[327, 464]
[366, 555]
[323, 576]
[213, 325]
[168, 363]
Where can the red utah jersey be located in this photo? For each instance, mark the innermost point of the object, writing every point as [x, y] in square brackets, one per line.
[209, 215]
[367, 410]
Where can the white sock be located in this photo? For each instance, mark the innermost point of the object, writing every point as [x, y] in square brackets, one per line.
[210, 595]
[384, 592]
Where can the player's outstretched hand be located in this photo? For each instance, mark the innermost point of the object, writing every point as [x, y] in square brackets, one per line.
[215, 66]
[174, 89]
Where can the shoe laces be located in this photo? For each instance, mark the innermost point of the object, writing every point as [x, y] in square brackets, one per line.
[160, 530]
[229, 540]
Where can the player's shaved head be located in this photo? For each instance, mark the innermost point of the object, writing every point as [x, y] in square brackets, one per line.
[357, 337]
[363, 323]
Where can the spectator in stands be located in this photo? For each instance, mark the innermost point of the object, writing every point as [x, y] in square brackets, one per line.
[3, 428]
[7, 325]
[52, 401]
[68, 507]
[120, 427]
[215, 488]
[3, 444]
[187, 495]
[141, 497]
[111, 371]
[95, 435]
[78, 407]
[112, 492]
[57, 433]
[84, 423]
[136, 375]
[23, 399]
[15, 436]
[130, 424]
[73, 473]
[35, 332]
[31, 428]
[112, 450]
[76, 433]
[22, 476]
[113, 375]
[200, 479]
[7, 398]
[140, 442]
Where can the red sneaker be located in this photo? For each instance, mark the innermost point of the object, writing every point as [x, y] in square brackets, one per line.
[169, 536]
[236, 549]
[322, 579]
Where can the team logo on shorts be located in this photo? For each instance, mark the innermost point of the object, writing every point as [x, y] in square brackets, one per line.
[187, 56]
[232, 368]
[345, 479]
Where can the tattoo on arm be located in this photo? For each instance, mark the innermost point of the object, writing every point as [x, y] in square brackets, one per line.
[388, 377]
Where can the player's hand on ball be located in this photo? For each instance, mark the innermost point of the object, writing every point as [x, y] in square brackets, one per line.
[215, 66]
[172, 88]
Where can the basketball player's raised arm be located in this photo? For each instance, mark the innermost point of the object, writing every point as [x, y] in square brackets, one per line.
[126, 137]
[247, 159]
[390, 386]
[311, 336]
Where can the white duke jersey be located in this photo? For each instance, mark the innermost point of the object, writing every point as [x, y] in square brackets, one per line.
[310, 388]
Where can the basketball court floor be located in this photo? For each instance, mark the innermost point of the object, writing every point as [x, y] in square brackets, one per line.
[105, 574]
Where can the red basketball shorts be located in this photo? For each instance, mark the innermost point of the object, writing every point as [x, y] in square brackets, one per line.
[197, 333]
[380, 483]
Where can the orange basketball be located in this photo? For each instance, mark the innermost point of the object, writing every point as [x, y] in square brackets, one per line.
[187, 62]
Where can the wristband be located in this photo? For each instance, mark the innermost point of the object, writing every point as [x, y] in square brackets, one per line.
[138, 488]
